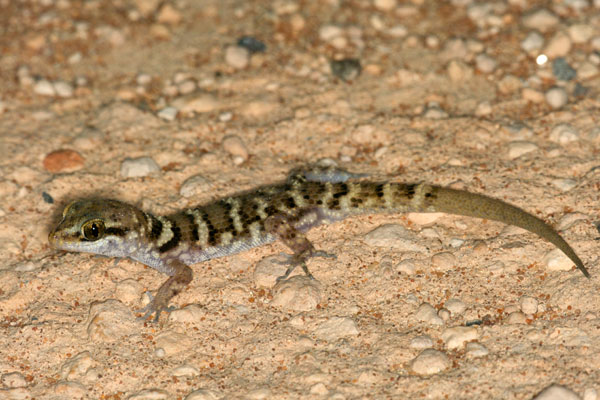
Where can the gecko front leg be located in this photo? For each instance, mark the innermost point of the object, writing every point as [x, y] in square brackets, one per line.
[282, 227]
[181, 277]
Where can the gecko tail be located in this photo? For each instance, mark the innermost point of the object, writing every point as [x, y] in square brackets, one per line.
[460, 202]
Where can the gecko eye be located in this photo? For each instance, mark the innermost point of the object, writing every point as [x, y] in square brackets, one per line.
[93, 229]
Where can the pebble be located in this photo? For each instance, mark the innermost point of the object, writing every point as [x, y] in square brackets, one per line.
[70, 390]
[586, 70]
[590, 394]
[168, 15]
[186, 87]
[564, 133]
[168, 113]
[193, 186]
[421, 342]
[109, 321]
[237, 57]
[138, 167]
[516, 317]
[519, 148]
[199, 103]
[459, 71]
[427, 313]
[483, 109]
[235, 146]
[559, 45]
[394, 236]
[259, 109]
[455, 306]
[556, 97]
[456, 336]
[335, 328]
[474, 350]
[13, 380]
[443, 261]
[533, 42]
[63, 89]
[407, 267]
[562, 70]
[44, 87]
[528, 304]
[77, 367]
[63, 161]
[171, 342]
[424, 219]
[185, 370]
[541, 20]
[252, 44]
[298, 293]
[485, 63]
[557, 392]
[203, 394]
[555, 260]
[565, 184]
[329, 32]
[430, 362]
[444, 314]
[532, 95]
[149, 394]
[346, 69]
[435, 112]
[269, 269]
[580, 33]
[384, 5]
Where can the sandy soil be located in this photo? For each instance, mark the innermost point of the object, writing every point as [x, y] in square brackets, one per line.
[449, 93]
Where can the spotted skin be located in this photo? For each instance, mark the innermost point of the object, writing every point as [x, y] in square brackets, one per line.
[283, 211]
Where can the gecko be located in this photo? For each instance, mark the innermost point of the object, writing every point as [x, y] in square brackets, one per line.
[283, 211]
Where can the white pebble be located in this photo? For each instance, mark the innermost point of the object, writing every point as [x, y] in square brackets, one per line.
[556, 97]
[528, 304]
[518, 148]
[556, 260]
[564, 133]
[13, 380]
[168, 113]
[444, 314]
[483, 109]
[63, 89]
[44, 88]
[586, 70]
[475, 349]
[443, 261]
[455, 306]
[533, 42]
[532, 95]
[434, 111]
[202, 103]
[485, 63]
[565, 184]
[330, 32]
[430, 362]
[186, 87]
[456, 336]
[394, 236]
[143, 79]
[406, 266]
[541, 20]
[204, 394]
[516, 317]
[557, 392]
[581, 33]
[397, 31]
[193, 186]
[335, 328]
[235, 146]
[298, 293]
[458, 71]
[237, 57]
[137, 167]
[426, 313]
[423, 219]
[384, 5]
[421, 342]
[590, 394]
[559, 45]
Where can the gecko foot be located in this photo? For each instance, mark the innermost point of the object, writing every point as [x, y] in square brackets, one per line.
[296, 260]
[153, 307]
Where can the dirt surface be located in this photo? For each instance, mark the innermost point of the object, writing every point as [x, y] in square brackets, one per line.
[453, 93]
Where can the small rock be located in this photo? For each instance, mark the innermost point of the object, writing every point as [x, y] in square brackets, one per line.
[109, 321]
[528, 304]
[564, 133]
[455, 306]
[394, 236]
[557, 392]
[483, 109]
[237, 57]
[541, 20]
[430, 362]
[519, 148]
[562, 70]
[259, 109]
[63, 89]
[44, 88]
[456, 336]
[298, 293]
[204, 394]
[444, 314]
[138, 167]
[532, 95]
[63, 161]
[251, 44]
[458, 71]
[202, 103]
[474, 350]
[168, 15]
[406, 266]
[346, 69]
[193, 186]
[421, 342]
[565, 184]
[335, 328]
[443, 261]
[149, 394]
[168, 113]
[235, 146]
[330, 32]
[424, 219]
[435, 112]
[558, 46]
[76, 367]
[580, 33]
[185, 370]
[533, 42]
[426, 313]
[384, 5]
[13, 380]
[556, 260]
[485, 63]
[556, 97]
[186, 87]
[516, 317]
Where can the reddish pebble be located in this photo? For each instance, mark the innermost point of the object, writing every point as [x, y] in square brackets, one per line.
[63, 161]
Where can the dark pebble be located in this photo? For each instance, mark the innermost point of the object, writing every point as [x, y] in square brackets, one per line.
[251, 44]
[562, 70]
[346, 69]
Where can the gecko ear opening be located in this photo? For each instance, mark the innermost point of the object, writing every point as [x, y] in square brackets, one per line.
[93, 229]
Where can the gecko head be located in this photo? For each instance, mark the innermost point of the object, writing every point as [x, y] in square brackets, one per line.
[99, 226]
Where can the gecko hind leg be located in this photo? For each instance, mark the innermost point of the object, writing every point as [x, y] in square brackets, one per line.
[321, 174]
[280, 226]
